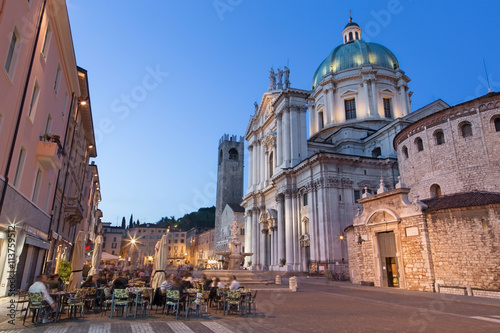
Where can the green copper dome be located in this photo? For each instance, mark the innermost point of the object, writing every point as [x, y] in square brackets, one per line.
[355, 54]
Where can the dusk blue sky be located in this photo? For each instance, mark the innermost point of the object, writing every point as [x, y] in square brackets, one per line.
[169, 78]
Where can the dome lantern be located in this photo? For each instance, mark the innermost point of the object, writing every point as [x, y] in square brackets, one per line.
[351, 32]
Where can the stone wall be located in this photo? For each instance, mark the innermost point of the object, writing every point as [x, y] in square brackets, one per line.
[417, 266]
[464, 249]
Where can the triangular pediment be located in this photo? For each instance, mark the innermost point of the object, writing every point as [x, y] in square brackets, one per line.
[349, 92]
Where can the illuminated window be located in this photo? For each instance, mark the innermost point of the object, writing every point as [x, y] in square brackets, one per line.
[350, 109]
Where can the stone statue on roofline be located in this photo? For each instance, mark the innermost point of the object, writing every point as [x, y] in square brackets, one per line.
[272, 79]
[286, 72]
[279, 75]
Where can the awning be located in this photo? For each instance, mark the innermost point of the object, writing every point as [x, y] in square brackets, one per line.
[37, 242]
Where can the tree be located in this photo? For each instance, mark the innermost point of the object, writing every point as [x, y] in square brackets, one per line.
[131, 221]
[123, 222]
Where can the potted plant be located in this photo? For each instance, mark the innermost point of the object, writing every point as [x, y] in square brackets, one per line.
[249, 263]
[282, 262]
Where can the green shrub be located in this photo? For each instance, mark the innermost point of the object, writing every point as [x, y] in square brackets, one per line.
[64, 270]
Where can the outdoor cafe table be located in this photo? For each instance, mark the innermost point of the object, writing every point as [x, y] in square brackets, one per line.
[137, 293]
[58, 298]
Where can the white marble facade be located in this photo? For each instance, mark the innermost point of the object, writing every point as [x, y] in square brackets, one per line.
[312, 154]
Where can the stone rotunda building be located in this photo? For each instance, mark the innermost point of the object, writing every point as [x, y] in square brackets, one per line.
[304, 183]
[439, 230]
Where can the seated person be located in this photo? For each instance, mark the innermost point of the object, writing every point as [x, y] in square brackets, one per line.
[121, 282]
[39, 286]
[102, 281]
[167, 284]
[205, 282]
[187, 280]
[90, 282]
[54, 283]
[235, 284]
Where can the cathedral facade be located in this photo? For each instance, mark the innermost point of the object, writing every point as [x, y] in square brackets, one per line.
[314, 153]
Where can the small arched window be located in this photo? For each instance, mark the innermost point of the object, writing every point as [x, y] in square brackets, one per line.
[350, 36]
[233, 154]
[435, 191]
[376, 152]
[466, 129]
[405, 151]
[220, 156]
[419, 144]
[497, 124]
[357, 35]
[439, 136]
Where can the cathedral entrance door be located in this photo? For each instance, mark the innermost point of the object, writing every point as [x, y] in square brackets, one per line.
[388, 259]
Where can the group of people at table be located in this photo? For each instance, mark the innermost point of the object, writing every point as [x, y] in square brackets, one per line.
[173, 282]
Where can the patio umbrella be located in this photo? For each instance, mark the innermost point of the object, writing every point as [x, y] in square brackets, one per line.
[77, 262]
[96, 256]
[160, 263]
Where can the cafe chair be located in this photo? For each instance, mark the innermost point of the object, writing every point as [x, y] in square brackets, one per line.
[120, 299]
[173, 301]
[145, 299]
[36, 305]
[250, 302]
[90, 297]
[23, 300]
[233, 300]
[107, 300]
[77, 301]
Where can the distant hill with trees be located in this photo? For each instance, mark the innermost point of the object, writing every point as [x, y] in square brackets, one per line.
[203, 218]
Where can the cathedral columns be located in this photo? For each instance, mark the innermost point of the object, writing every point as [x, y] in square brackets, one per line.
[374, 109]
[263, 239]
[294, 120]
[255, 235]
[367, 99]
[248, 231]
[313, 224]
[289, 230]
[322, 223]
[279, 140]
[295, 240]
[286, 138]
[328, 104]
[313, 117]
[250, 167]
[281, 228]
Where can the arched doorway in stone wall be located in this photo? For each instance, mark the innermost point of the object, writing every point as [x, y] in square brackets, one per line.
[385, 232]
